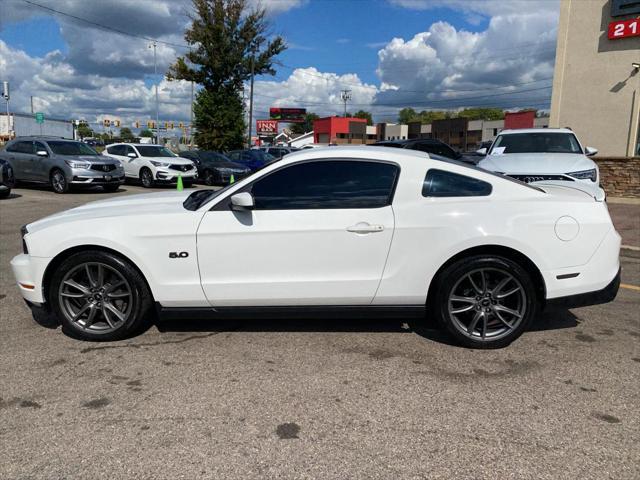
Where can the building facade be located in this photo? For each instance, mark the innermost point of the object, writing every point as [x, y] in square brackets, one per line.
[340, 130]
[596, 84]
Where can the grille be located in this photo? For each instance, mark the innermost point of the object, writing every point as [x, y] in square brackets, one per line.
[541, 178]
[181, 168]
[108, 167]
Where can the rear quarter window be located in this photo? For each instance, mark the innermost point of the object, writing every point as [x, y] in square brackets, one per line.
[441, 183]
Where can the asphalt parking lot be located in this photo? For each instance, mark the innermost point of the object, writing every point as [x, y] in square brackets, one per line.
[315, 399]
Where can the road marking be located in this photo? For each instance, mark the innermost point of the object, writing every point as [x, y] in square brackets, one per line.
[630, 287]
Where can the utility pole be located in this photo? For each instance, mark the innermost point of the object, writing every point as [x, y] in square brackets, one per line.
[31, 104]
[345, 95]
[155, 73]
[5, 94]
[253, 59]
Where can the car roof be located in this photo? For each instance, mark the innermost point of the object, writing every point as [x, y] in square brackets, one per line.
[365, 152]
[536, 130]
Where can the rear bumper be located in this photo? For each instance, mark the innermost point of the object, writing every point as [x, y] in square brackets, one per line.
[607, 294]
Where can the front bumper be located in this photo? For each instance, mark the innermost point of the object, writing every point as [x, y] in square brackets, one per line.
[170, 176]
[83, 176]
[29, 272]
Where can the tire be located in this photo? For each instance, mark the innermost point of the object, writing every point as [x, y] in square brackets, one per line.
[58, 181]
[107, 306]
[494, 292]
[146, 178]
[110, 188]
[209, 178]
[5, 193]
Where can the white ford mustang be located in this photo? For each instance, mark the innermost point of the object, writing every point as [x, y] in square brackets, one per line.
[345, 230]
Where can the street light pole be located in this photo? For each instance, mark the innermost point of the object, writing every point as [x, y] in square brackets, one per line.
[155, 78]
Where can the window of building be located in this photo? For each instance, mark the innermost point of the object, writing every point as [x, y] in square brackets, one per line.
[440, 183]
[328, 184]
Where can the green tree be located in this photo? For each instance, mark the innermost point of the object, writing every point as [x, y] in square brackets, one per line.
[407, 115]
[126, 134]
[428, 116]
[227, 40]
[146, 133]
[478, 113]
[305, 127]
[364, 114]
[85, 131]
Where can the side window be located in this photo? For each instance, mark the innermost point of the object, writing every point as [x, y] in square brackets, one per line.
[440, 183]
[327, 185]
[233, 155]
[129, 149]
[13, 147]
[113, 150]
[38, 147]
[25, 147]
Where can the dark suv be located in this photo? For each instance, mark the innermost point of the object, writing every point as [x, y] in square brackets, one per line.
[61, 163]
[429, 145]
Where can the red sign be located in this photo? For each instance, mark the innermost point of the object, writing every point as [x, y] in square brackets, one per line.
[267, 127]
[290, 115]
[624, 28]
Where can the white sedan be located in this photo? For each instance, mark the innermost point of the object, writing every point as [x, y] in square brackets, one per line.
[551, 156]
[342, 231]
[151, 164]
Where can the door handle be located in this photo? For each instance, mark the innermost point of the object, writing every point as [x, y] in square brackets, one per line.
[364, 227]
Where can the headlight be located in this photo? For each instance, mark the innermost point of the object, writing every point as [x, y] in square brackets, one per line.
[159, 164]
[78, 164]
[585, 174]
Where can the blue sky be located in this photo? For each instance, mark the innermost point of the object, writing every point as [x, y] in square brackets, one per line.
[390, 53]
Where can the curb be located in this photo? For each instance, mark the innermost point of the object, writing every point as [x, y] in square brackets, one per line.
[629, 251]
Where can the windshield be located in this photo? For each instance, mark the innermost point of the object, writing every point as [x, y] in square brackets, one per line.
[71, 148]
[154, 151]
[213, 157]
[543, 142]
[200, 197]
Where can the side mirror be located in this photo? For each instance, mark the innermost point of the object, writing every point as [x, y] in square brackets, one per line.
[242, 201]
[481, 151]
[132, 155]
[590, 151]
[42, 153]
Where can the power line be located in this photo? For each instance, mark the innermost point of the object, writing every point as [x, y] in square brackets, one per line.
[102, 26]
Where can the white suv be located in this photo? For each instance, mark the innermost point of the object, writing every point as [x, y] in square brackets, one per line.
[544, 156]
[152, 163]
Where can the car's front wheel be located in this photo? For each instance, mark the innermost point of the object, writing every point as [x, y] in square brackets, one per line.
[485, 301]
[99, 296]
[209, 178]
[146, 178]
[58, 181]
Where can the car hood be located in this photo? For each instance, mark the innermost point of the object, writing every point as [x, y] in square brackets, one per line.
[522, 163]
[123, 206]
[99, 159]
[171, 160]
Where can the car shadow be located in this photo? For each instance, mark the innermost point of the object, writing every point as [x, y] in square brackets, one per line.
[11, 196]
[426, 328]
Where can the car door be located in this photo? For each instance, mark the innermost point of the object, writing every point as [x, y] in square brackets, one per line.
[131, 165]
[39, 166]
[319, 234]
[13, 155]
[23, 159]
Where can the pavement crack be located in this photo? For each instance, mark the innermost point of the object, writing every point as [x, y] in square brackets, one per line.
[150, 344]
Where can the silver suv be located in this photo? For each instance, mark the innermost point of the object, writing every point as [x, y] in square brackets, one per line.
[61, 163]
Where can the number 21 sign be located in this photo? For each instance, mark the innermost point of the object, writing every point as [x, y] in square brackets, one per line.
[624, 28]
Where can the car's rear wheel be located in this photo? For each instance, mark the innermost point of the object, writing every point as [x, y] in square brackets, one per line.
[58, 181]
[485, 301]
[99, 296]
[146, 178]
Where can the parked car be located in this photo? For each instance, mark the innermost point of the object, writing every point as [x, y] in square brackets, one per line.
[215, 168]
[152, 164]
[61, 163]
[341, 231]
[551, 156]
[279, 152]
[253, 158]
[7, 180]
[429, 145]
